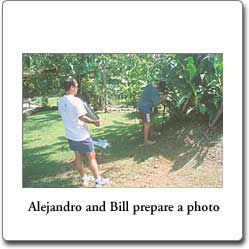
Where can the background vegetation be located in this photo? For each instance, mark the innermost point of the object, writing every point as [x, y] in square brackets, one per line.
[192, 82]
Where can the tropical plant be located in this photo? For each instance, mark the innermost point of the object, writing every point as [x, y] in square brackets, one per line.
[193, 82]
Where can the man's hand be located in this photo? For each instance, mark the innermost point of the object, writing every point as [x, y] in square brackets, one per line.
[89, 120]
[97, 123]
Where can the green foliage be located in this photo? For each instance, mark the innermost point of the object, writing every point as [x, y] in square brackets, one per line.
[195, 83]
[192, 82]
[42, 101]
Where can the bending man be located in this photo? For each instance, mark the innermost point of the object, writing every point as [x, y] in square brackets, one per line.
[150, 98]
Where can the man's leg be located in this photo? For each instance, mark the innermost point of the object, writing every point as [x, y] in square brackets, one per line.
[79, 163]
[146, 131]
[147, 127]
[92, 162]
[93, 165]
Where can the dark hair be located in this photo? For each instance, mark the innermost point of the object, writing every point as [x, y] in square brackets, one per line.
[68, 82]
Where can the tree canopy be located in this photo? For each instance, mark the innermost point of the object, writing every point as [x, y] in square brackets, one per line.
[193, 83]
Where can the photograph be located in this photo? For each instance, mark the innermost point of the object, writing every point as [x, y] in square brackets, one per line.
[117, 127]
[122, 120]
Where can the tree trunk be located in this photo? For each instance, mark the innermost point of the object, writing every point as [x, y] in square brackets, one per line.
[105, 90]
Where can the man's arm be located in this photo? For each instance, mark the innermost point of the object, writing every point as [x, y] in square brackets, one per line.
[88, 120]
[156, 98]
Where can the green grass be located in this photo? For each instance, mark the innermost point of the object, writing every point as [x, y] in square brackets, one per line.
[179, 153]
[45, 147]
[116, 102]
[52, 101]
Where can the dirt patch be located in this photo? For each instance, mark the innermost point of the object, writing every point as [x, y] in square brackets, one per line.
[159, 172]
[181, 158]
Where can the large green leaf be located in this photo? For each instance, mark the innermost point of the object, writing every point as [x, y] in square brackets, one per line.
[182, 100]
[191, 70]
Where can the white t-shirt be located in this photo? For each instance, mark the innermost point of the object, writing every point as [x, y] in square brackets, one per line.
[70, 109]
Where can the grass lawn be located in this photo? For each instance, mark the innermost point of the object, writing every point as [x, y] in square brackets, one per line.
[180, 158]
[53, 101]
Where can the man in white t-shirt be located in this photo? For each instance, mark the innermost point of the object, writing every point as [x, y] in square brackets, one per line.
[74, 118]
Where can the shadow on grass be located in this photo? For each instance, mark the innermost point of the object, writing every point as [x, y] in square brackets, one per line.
[57, 183]
[179, 143]
[37, 164]
[187, 144]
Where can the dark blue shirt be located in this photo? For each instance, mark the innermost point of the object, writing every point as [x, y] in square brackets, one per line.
[150, 97]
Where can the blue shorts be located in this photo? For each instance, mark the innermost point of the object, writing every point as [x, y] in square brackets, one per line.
[146, 117]
[81, 146]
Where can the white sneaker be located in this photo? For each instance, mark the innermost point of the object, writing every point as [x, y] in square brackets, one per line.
[86, 179]
[103, 181]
